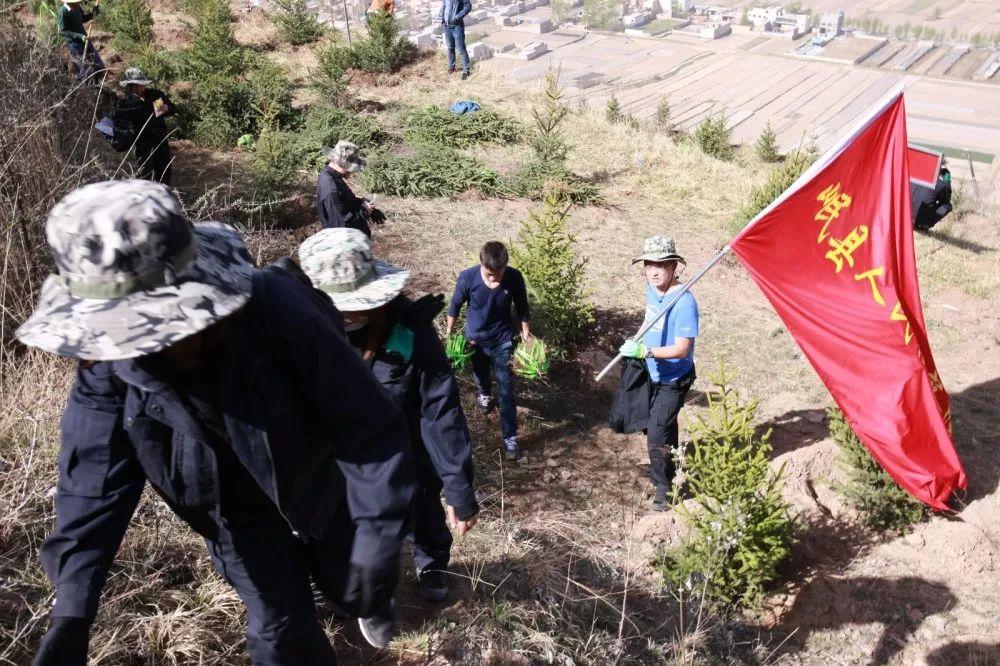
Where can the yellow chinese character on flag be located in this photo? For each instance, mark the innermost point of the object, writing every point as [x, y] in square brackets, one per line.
[897, 314]
[870, 276]
[844, 249]
[833, 201]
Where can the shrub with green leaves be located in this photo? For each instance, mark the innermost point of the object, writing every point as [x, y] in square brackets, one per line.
[214, 51]
[383, 49]
[131, 23]
[663, 114]
[548, 140]
[325, 127]
[555, 276]
[330, 79]
[275, 170]
[613, 112]
[715, 138]
[296, 23]
[739, 528]
[439, 126]
[767, 145]
[433, 171]
[162, 66]
[534, 179]
[777, 182]
[867, 488]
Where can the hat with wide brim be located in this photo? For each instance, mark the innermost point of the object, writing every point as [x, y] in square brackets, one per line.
[137, 76]
[346, 155]
[339, 262]
[659, 248]
[213, 286]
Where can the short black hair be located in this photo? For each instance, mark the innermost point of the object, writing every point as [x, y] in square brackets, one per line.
[494, 256]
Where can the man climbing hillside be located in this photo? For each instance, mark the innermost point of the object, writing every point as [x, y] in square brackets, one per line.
[234, 393]
[70, 20]
[397, 338]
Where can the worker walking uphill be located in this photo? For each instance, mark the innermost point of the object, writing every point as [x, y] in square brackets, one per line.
[397, 338]
[235, 394]
[70, 20]
[668, 348]
[143, 113]
[491, 289]
[336, 203]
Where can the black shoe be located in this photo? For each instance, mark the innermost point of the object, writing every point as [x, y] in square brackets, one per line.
[434, 586]
[484, 403]
[660, 504]
[465, 75]
[379, 628]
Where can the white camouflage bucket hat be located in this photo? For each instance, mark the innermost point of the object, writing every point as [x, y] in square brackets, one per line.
[346, 155]
[135, 276]
[659, 248]
[339, 262]
[137, 76]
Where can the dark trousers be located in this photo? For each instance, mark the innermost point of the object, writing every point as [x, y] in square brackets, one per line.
[454, 37]
[430, 534]
[498, 358]
[154, 161]
[665, 402]
[87, 58]
[269, 569]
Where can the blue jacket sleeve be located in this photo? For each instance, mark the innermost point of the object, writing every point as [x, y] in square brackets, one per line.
[464, 9]
[100, 482]
[443, 427]
[460, 296]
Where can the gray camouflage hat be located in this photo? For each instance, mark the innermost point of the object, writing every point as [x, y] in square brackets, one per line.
[346, 155]
[659, 248]
[339, 262]
[134, 276]
[135, 75]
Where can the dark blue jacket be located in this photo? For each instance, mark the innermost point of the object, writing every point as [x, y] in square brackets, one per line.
[453, 11]
[424, 387]
[294, 401]
[488, 319]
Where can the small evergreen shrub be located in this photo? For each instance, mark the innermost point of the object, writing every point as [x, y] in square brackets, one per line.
[270, 94]
[330, 79]
[325, 127]
[131, 23]
[383, 50]
[555, 276]
[162, 66]
[777, 182]
[767, 145]
[663, 114]
[534, 179]
[296, 23]
[434, 171]
[613, 111]
[714, 138]
[275, 170]
[739, 528]
[548, 140]
[879, 501]
[439, 126]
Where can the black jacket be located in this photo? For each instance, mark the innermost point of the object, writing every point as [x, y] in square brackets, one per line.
[424, 387]
[630, 409]
[337, 204]
[137, 112]
[295, 403]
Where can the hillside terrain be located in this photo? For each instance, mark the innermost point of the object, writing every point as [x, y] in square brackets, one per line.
[560, 569]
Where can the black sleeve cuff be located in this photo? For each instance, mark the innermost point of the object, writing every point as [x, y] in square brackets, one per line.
[466, 512]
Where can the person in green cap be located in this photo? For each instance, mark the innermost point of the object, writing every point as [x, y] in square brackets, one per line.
[70, 19]
[668, 348]
[143, 112]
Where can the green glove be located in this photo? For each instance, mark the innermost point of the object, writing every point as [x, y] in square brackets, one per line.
[401, 342]
[632, 349]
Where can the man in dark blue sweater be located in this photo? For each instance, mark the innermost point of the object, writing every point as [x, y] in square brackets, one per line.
[490, 289]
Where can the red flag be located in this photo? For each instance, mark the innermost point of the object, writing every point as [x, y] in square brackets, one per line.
[835, 258]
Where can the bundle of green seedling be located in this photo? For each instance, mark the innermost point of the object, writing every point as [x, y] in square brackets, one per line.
[438, 126]
[458, 352]
[531, 360]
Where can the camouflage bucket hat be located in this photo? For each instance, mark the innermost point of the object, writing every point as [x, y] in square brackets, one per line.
[659, 248]
[340, 262]
[135, 75]
[346, 155]
[134, 276]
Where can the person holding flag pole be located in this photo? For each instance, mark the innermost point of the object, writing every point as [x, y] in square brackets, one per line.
[70, 19]
[834, 255]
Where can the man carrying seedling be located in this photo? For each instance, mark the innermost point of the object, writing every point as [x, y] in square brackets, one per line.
[143, 113]
[397, 338]
[668, 348]
[336, 203]
[490, 289]
[233, 392]
[70, 18]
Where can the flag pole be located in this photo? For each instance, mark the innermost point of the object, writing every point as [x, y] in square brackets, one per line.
[807, 175]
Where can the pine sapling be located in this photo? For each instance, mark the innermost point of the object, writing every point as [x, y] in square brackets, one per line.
[767, 145]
